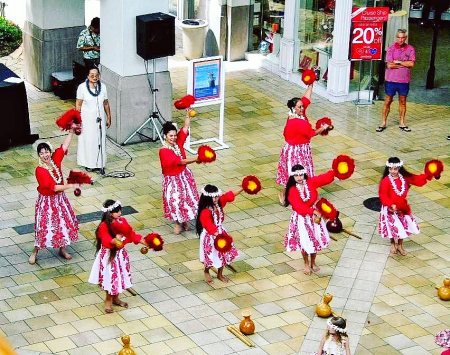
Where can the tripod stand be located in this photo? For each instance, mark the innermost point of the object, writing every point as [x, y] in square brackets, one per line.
[154, 117]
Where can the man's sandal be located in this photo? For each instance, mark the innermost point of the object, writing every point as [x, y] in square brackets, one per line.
[405, 128]
[381, 128]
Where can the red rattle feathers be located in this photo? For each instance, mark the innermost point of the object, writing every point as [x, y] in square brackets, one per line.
[326, 209]
[223, 242]
[69, 118]
[251, 184]
[206, 154]
[343, 167]
[154, 241]
[434, 169]
[78, 177]
[324, 121]
[308, 76]
[184, 102]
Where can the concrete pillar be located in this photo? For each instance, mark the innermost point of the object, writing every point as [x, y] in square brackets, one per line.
[290, 44]
[50, 37]
[124, 73]
[238, 17]
[339, 65]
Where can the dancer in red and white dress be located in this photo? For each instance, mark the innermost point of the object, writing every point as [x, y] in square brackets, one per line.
[209, 225]
[55, 223]
[297, 134]
[112, 269]
[304, 234]
[396, 221]
[180, 195]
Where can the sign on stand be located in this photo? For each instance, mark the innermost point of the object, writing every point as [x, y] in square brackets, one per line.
[206, 82]
[367, 42]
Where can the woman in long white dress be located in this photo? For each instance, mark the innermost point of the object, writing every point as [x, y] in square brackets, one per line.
[92, 101]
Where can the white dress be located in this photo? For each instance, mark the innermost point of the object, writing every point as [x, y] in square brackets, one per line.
[89, 155]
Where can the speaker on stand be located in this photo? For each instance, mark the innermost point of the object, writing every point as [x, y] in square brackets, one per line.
[155, 38]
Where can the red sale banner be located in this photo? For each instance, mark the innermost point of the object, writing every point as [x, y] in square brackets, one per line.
[370, 14]
[366, 41]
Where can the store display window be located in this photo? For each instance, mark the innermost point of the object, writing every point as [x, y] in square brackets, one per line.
[268, 24]
[315, 33]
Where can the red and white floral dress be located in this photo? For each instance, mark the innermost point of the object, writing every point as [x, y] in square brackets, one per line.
[304, 234]
[297, 149]
[211, 220]
[113, 276]
[402, 223]
[180, 195]
[55, 223]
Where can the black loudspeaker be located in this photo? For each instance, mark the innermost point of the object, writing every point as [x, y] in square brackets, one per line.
[155, 35]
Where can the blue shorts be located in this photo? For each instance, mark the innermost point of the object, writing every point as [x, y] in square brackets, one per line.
[391, 88]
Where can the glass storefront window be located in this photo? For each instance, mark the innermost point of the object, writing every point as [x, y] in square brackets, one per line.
[268, 22]
[315, 33]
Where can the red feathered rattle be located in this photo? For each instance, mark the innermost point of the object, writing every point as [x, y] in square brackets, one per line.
[326, 209]
[251, 184]
[206, 154]
[308, 76]
[343, 167]
[154, 241]
[433, 169]
[184, 102]
[223, 242]
[324, 121]
[68, 119]
[78, 177]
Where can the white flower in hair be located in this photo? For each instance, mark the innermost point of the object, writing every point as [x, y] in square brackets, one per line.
[335, 327]
[211, 194]
[394, 165]
[112, 207]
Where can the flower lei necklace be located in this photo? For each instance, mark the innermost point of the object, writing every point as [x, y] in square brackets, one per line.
[394, 185]
[294, 115]
[58, 179]
[304, 193]
[174, 148]
[217, 213]
[97, 90]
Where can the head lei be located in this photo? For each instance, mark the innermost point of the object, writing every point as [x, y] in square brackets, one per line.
[335, 327]
[298, 172]
[112, 207]
[394, 165]
[211, 194]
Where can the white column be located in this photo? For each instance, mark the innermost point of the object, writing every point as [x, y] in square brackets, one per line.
[290, 44]
[339, 65]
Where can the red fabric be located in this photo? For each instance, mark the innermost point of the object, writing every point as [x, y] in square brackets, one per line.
[169, 160]
[206, 218]
[387, 195]
[46, 183]
[306, 207]
[298, 131]
[106, 237]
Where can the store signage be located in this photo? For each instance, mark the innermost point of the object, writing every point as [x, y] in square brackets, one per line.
[370, 14]
[366, 41]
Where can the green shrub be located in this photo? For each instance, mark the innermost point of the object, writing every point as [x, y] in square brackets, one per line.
[10, 37]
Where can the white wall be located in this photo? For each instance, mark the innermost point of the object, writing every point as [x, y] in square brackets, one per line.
[118, 35]
[50, 14]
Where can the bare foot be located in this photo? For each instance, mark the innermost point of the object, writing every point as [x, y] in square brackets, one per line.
[108, 308]
[281, 198]
[32, 259]
[223, 278]
[402, 251]
[121, 303]
[185, 226]
[64, 254]
[393, 249]
[315, 268]
[307, 270]
[209, 280]
[177, 228]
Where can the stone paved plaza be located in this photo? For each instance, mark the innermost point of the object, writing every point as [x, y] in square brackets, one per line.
[390, 302]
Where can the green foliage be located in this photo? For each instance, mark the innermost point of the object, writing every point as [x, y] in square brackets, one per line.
[10, 37]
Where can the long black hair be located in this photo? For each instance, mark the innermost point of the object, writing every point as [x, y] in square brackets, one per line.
[108, 219]
[205, 202]
[402, 170]
[168, 126]
[291, 183]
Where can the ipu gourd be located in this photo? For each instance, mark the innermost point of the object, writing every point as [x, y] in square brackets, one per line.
[127, 350]
[323, 309]
[247, 326]
[444, 291]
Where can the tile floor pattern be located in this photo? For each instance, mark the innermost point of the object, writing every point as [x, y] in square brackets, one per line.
[390, 301]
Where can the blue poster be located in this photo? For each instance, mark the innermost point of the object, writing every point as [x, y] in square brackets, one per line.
[207, 79]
